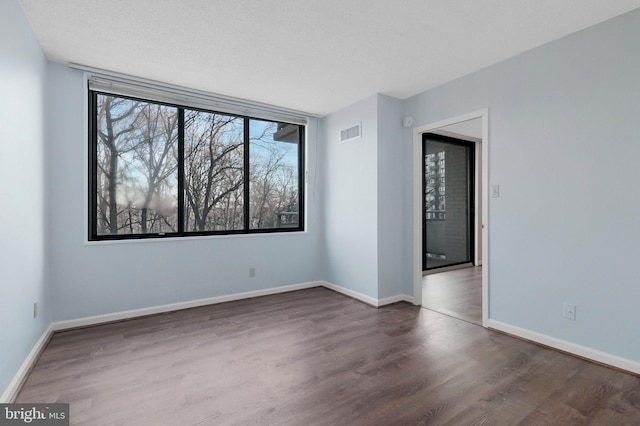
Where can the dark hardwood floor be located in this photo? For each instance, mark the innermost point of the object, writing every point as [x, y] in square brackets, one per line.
[456, 293]
[316, 357]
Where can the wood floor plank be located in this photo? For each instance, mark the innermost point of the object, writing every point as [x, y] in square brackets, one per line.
[316, 357]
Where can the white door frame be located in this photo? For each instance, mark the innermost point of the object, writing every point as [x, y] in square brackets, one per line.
[483, 114]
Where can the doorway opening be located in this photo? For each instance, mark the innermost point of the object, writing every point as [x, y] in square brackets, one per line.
[472, 128]
[448, 199]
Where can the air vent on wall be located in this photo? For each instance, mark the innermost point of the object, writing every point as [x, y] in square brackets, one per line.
[350, 133]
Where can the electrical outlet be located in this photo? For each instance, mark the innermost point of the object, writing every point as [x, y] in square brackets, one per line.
[569, 311]
[35, 309]
[252, 272]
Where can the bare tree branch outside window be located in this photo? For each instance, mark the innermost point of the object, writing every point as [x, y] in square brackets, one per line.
[161, 169]
[214, 171]
[137, 166]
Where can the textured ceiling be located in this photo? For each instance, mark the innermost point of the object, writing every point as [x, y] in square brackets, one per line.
[315, 56]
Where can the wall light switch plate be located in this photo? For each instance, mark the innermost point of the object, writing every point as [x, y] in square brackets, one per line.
[495, 191]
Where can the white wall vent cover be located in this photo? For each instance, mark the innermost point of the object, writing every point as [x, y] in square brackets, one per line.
[351, 133]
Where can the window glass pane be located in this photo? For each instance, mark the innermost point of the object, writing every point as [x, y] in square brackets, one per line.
[136, 167]
[273, 175]
[160, 169]
[213, 165]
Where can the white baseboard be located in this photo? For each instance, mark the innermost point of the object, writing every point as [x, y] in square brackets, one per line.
[117, 316]
[395, 299]
[12, 390]
[563, 345]
[353, 294]
[368, 299]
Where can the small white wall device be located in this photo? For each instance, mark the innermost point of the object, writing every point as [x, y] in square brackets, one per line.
[407, 121]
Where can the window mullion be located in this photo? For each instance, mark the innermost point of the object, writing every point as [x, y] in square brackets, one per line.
[246, 173]
[181, 187]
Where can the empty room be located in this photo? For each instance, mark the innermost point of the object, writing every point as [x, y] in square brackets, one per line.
[224, 212]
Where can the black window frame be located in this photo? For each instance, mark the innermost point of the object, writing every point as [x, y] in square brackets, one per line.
[181, 233]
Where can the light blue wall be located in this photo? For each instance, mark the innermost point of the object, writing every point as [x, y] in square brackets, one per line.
[94, 279]
[350, 199]
[22, 196]
[394, 274]
[564, 148]
[363, 204]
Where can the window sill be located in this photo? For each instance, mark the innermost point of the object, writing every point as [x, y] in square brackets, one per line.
[193, 238]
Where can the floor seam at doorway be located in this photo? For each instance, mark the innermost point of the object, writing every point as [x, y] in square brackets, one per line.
[451, 316]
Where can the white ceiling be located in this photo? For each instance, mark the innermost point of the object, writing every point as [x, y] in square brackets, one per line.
[316, 56]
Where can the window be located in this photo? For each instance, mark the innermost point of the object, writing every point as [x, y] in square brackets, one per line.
[166, 170]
